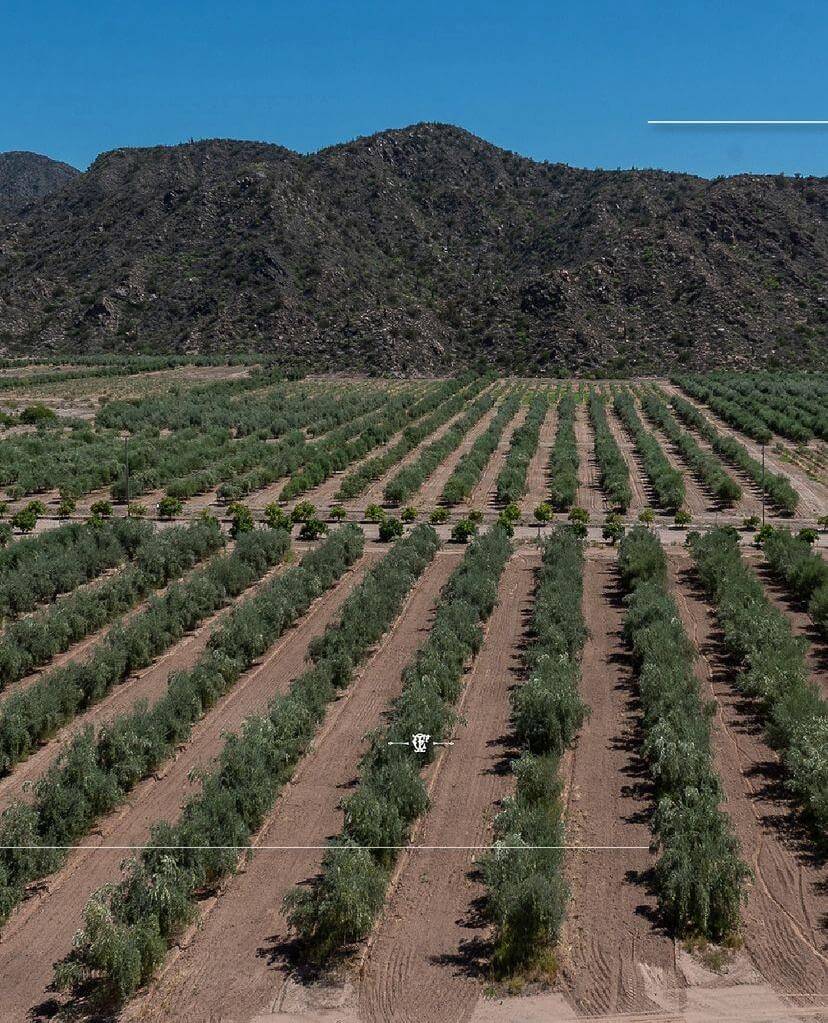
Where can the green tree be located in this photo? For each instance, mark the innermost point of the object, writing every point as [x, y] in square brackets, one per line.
[102, 509]
[312, 529]
[276, 517]
[241, 519]
[390, 528]
[409, 514]
[303, 511]
[25, 520]
[374, 513]
[463, 531]
[337, 513]
[66, 507]
[438, 515]
[169, 507]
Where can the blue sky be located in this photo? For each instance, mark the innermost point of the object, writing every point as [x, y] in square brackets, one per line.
[569, 82]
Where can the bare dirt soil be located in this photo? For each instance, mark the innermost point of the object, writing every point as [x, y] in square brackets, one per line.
[239, 960]
[537, 475]
[787, 908]
[427, 956]
[813, 495]
[428, 496]
[589, 489]
[40, 932]
[615, 958]
[484, 494]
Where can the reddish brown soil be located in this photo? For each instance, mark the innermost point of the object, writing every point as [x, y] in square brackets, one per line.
[428, 496]
[40, 933]
[237, 961]
[784, 918]
[589, 489]
[813, 495]
[428, 953]
[642, 494]
[537, 475]
[484, 494]
[615, 958]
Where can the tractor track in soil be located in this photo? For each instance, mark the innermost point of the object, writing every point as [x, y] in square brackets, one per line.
[784, 918]
[615, 956]
[427, 955]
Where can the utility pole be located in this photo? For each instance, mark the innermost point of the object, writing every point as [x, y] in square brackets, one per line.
[763, 483]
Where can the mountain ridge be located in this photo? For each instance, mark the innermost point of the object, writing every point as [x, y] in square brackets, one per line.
[418, 249]
[26, 177]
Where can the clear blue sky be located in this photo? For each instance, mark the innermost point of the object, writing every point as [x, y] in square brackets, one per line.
[572, 82]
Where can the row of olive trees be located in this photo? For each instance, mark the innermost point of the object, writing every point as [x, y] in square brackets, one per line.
[162, 556]
[797, 416]
[350, 443]
[772, 669]
[614, 473]
[511, 481]
[777, 486]
[33, 714]
[280, 447]
[563, 461]
[527, 893]
[667, 482]
[340, 906]
[97, 771]
[732, 412]
[802, 570]
[37, 569]
[470, 466]
[442, 406]
[700, 876]
[195, 458]
[411, 477]
[706, 465]
[127, 930]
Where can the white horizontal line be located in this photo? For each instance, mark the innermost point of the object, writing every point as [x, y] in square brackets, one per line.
[294, 848]
[737, 122]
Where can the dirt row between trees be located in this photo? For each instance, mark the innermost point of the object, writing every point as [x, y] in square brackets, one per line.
[41, 932]
[484, 495]
[614, 959]
[699, 501]
[813, 495]
[537, 475]
[428, 496]
[590, 495]
[784, 918]
[424, 961]
[239, 961]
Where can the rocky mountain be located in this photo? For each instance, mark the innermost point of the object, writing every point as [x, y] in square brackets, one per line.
[25, 177]
[419, 249]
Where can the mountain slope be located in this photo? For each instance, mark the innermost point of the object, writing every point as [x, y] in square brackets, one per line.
[421, 248]
[25, 177]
